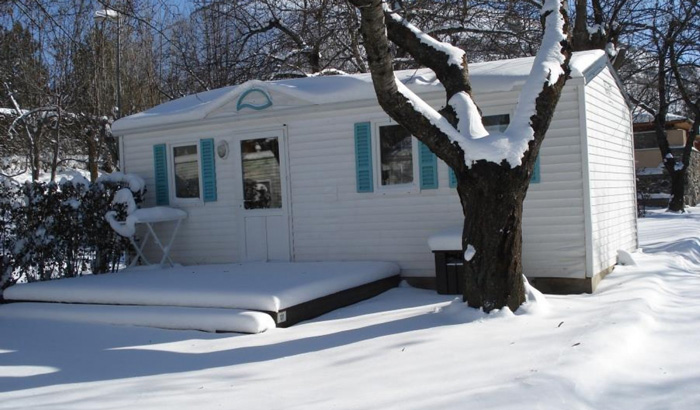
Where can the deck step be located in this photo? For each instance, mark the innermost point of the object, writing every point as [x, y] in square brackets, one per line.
[164, 317]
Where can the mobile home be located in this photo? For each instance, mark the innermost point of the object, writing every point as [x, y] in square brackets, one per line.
[312, 169]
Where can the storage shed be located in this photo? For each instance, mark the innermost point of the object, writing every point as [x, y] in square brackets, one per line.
[312, 169]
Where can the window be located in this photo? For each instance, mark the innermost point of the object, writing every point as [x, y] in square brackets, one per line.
[395, 155]
[186, 171]
[496, 123]
[389, 158]
[262, 185]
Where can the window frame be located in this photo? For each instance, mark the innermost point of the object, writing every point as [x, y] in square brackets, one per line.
[412, 186]
[171, 174]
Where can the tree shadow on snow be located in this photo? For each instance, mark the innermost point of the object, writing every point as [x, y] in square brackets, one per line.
[80, 353]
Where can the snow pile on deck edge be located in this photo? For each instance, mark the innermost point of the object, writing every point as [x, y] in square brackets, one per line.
[165, 317]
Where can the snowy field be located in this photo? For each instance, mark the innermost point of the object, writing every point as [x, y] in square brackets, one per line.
[634, 344]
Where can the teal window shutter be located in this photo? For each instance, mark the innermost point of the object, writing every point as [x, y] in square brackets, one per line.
[207, 152]
[363, 157]
[453, 178]
[160, 165]
[427, 162]
[535, 178]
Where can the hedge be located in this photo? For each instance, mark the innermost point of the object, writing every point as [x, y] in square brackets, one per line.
[58, 230]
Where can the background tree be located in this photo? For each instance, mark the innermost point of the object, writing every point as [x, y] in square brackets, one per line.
[684, 59]
[666, 82]
[24, 78]
[604, 25]
[60, 65]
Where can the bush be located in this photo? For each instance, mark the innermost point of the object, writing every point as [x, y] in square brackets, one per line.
[50, 231]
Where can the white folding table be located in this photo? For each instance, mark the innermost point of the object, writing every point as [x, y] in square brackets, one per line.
[149, 217]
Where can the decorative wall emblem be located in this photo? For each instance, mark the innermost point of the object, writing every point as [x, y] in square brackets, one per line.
[255, 99]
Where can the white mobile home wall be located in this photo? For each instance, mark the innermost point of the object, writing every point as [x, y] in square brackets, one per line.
[611, 173]
[567, 231]
[333, 221]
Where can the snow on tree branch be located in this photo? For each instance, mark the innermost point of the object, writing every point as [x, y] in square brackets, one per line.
[470, 134]
[455, 55]
[548, 68]
[449, 64]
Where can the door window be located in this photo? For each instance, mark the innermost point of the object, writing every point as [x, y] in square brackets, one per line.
[262, 187]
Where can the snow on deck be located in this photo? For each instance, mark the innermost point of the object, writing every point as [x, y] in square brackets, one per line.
[164, 317]
[254, 286]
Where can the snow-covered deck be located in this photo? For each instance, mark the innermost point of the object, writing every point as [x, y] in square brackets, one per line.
[289, 292]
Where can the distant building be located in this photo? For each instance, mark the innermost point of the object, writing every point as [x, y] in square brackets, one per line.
[653, 182]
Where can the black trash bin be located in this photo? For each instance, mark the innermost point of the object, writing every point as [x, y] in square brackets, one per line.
[449, 272]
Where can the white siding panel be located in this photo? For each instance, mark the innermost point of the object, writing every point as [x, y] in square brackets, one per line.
[331, 221]
[611, 167]
[209, 234]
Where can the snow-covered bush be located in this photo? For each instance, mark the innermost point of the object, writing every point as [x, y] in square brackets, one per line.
[50, 230]
[6, 205]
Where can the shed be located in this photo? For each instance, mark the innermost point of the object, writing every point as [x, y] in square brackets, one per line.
[312, 169]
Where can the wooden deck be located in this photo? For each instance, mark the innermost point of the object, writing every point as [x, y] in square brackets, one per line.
[288, 292]
[324, 304]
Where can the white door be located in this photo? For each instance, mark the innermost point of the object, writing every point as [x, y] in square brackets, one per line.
[263, 189]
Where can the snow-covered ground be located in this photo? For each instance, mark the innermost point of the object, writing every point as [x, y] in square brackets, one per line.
[634, 344]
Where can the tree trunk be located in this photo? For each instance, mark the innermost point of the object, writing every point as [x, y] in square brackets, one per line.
[581, 37]
[36, 160]
[111, 161]
[676, 203]
[57, 146]
[54, 162]
[92, 155]
[493, 225]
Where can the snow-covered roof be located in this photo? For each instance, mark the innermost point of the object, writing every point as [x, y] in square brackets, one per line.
[502, 75]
